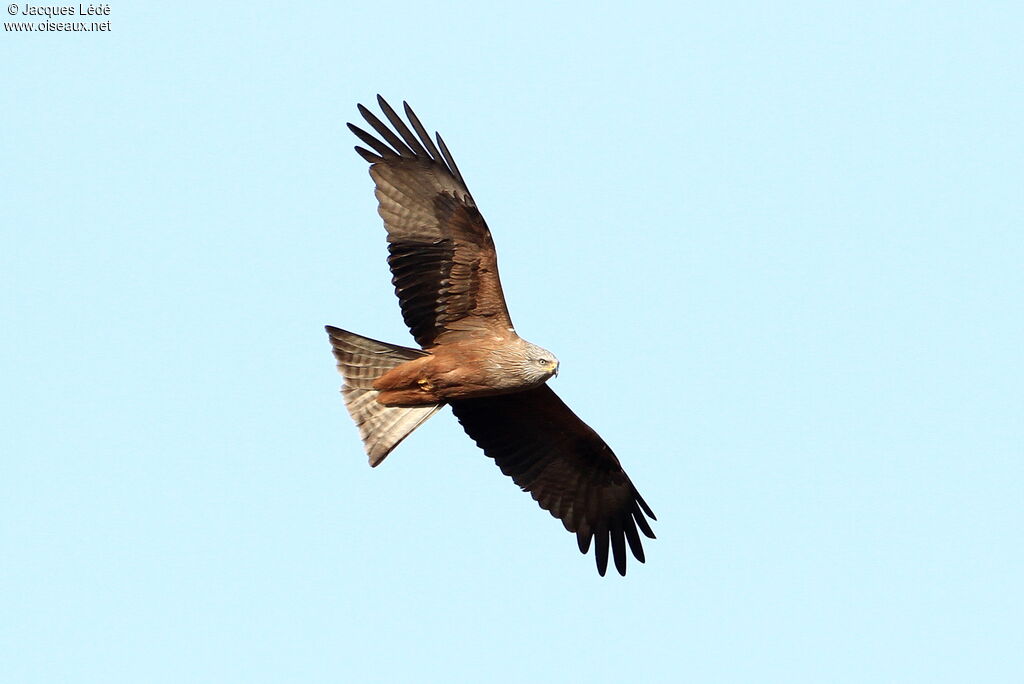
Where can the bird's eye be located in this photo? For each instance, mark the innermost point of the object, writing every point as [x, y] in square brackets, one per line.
[543, 362]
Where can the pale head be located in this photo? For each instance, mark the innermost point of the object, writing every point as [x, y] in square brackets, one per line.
[536, 364]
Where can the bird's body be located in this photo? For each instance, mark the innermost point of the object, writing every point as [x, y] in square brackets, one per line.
[464, 370]
[445, 273]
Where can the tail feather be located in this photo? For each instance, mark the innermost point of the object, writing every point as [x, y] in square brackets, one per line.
[360, 362]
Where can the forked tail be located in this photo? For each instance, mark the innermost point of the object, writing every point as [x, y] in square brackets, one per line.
[361, 361]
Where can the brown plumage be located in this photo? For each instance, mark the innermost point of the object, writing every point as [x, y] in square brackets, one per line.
[445, 273]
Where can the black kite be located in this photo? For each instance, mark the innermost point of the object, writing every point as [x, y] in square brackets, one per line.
[445, 273]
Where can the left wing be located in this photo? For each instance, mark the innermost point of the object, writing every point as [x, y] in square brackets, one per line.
[566, 466]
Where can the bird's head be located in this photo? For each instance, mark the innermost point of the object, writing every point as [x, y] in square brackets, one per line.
[540, 364]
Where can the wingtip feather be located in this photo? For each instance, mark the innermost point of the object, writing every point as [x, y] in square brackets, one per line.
[601, 549]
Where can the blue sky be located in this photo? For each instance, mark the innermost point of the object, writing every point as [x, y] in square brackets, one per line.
[777, 250]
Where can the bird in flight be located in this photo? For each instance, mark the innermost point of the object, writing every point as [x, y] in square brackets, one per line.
[445, 273]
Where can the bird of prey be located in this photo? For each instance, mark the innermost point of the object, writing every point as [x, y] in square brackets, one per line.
[445, 273]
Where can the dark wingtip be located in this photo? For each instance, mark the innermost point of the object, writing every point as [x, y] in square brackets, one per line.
[643, 504]
[583, 540]
[641, 522]
[629, 529]
[367, 155]
[601, 549]
[618, 539]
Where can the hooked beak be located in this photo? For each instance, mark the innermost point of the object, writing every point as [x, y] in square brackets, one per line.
[555, 372]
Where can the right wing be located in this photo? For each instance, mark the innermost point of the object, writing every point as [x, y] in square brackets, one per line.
[442, 257]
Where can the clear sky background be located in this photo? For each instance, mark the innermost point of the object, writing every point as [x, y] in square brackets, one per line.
[776, 246]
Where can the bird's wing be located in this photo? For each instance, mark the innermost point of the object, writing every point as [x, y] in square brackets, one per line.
[567, 468]
[442, 257]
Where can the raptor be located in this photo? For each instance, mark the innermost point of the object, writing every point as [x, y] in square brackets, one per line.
[445, 273]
